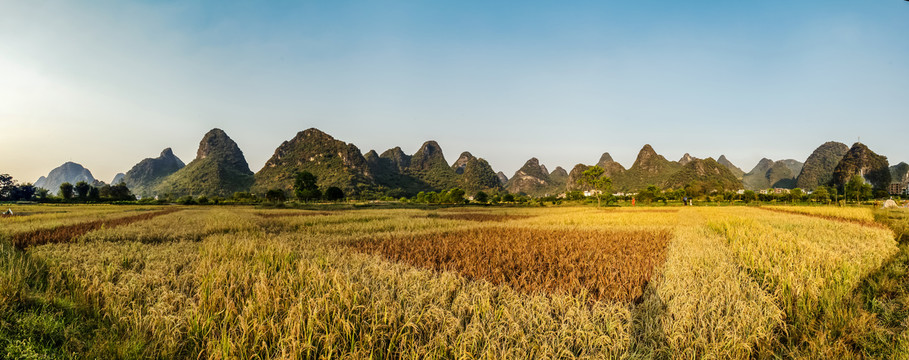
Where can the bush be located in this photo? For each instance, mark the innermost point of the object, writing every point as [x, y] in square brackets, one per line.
[335, 193]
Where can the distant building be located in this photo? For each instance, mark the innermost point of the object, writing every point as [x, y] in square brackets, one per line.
[592, 192]
[897, 188]
[780, 191]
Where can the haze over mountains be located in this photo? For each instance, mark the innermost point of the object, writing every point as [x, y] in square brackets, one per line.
[220, 169]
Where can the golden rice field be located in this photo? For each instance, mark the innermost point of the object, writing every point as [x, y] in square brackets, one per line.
[224, 282]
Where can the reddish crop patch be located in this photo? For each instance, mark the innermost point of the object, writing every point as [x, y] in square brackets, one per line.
[69, 232]
[608, 265]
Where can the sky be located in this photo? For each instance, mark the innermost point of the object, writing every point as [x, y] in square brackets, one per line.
[108, 83]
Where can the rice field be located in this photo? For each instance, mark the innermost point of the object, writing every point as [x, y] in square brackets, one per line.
[554, 282]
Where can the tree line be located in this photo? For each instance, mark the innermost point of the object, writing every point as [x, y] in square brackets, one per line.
[11, 190]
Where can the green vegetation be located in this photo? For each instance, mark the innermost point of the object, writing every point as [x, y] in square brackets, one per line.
[818, 169]
[335, 162]
[649, 168]
[305, 187]
[772, 174]
[860, 160]
[478, 175]
[218, 170]
[593, 179]
[148, 173]
[703, 176]
[735, 170]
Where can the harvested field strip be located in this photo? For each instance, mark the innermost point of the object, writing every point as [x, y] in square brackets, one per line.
[68, 232]
[869, 223]
[604, 264]
[482, 217]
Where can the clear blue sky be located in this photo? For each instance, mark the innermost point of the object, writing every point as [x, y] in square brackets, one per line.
[108, 83]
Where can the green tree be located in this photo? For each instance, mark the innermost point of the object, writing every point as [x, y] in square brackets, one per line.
[94, 194]
[22, 192]
[820, 194]
[456, 196]
[334, 193]
[275, 196]
[594, 180]
[866, 192]
[41, 193]
[82, 190]
[6, 186]
[121, 192]
[649, 194]
[748, 196]
[855, 188]
[305, 187]
[66, 190]
[481, 197]
[795, 195]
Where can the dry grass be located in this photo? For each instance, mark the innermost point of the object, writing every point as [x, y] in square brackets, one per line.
[294, 213]
[606, 265]
[54, 216]
[811, 266]
[702, 304]
[859, 215]
[67, 233]
[480, 217]
[192, 224]
[227, 282]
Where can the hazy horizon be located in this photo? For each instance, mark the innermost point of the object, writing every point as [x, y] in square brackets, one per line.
[108, 84]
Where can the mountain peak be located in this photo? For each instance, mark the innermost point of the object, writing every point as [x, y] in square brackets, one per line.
[430, 155]
[397, 156]
[216, 142]
[687, 158]
[459, 165]
[430, 147]
[315, 132]
[648, 159]
[818, 168]
[646, 154]
[502, 178]
[332, 161]
[559, 172]
[861, 160]
[219, 169]
[68, 172]
[605, 158]
[148, 173]
[532, 178]
[739, 174]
